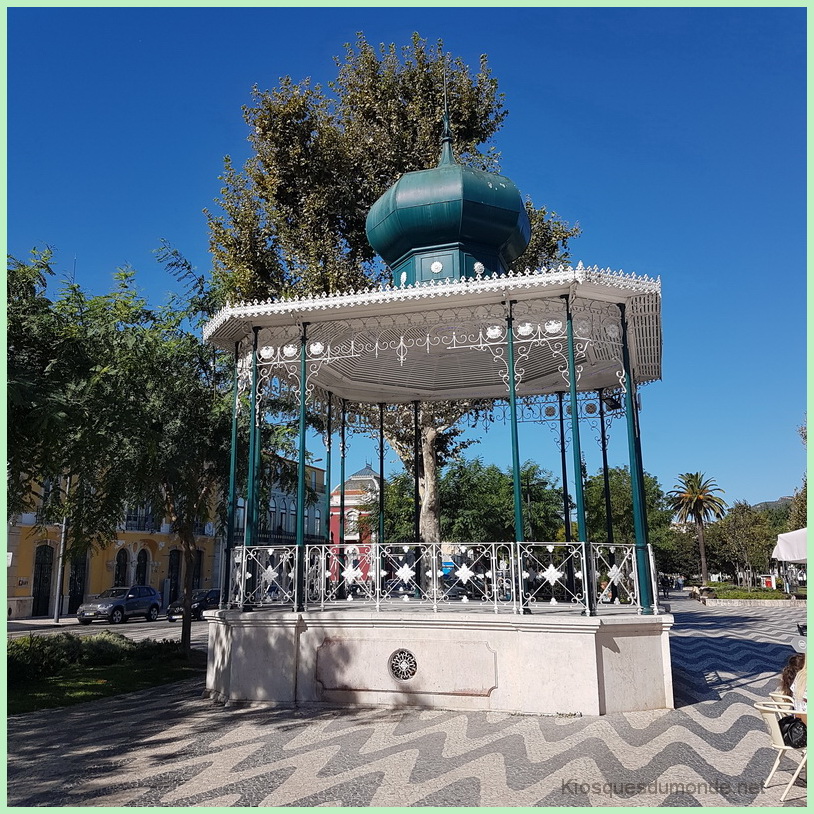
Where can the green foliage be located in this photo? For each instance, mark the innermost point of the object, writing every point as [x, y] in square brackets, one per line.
[477, 504]
[659, 515]
[399, 523]
[73, 428]
[742, 540]
[292, 221]
[79, 683]
[294, 218]
[671, 552]
[31, 658]
[694, 500]
[138, 410]
[798, 509]
[732, 592]
[33, 402]
[106, 648]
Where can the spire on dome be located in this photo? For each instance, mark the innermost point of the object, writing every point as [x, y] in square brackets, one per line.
[447, 156]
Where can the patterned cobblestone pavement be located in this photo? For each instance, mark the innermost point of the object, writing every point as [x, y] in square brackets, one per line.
[170, 748]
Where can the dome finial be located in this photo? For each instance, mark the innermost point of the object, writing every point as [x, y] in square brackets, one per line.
[447, 156]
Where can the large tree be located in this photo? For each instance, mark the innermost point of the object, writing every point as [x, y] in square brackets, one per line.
[116, 403]
[798, 511]
[695, 499]
[70, 403]
[32, 401]
[293, 219]
[476, 503]
[181, 466]
[742, 540]
[667, 549]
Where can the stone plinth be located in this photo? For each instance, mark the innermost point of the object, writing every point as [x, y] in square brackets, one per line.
[538, 664]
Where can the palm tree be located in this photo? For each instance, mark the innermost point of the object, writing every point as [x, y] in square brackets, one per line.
[694, 500]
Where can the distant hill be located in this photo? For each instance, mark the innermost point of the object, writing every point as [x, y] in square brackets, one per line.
[780, 503]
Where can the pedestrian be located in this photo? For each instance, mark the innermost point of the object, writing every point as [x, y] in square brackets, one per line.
[665, 587]
[679, 583]
[789, 674]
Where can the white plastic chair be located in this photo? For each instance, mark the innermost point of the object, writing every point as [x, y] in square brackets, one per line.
[770, 712]
[782, 699]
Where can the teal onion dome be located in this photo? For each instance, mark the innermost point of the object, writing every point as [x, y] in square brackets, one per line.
[448, 222]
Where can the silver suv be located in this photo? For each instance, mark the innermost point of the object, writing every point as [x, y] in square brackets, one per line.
[119, 604]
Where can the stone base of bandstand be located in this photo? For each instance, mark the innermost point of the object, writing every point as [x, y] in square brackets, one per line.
[533, 664]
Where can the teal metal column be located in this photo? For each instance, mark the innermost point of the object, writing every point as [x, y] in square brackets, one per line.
[417, 558]
[258, 458]
[342, 451]
[518, 506]
[416, 491]
[645, 587]
[381, 558]
[301, 478]
[230, 509]
[328, 433]
[603, 442]
[566, 501]
[381, 474]
[518, 510]
[251, 489]
[582, 531]
[570, 583]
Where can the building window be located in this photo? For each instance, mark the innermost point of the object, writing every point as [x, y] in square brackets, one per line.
[143, 567]
[317, 523]
[174, 574]
[139, 518]
[272, 514]
[120, 574]
[197, 568]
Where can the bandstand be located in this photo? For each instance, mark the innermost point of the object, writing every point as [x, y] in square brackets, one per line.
[532, 626]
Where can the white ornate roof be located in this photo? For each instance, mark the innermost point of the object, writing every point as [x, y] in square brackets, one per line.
[448, 341]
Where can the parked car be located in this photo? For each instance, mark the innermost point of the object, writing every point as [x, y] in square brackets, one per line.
[203, 599]
[119, 604]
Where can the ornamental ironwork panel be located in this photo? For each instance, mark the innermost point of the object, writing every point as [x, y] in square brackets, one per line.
[493, 577]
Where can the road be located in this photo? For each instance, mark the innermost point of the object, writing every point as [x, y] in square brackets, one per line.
[136, 629]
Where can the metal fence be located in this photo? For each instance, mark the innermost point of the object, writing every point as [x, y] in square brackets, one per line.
[496, 577]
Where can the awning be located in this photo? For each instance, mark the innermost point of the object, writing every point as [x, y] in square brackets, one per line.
[791, 546]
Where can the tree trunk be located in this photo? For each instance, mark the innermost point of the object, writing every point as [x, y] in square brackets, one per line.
[187, 539]
[429, 521]
[699, 524]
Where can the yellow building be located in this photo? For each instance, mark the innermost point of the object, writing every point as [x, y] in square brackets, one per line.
[144, 553]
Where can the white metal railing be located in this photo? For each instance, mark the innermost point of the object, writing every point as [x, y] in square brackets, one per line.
[513, 577]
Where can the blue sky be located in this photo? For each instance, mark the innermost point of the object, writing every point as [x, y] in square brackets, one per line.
[675, 137]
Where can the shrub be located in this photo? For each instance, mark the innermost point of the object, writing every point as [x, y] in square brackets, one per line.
[755, 593]
[32, 656]
[106, 648]
[151, 649]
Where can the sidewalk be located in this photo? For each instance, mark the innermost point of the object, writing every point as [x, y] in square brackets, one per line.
[168, 747]
[40, 624]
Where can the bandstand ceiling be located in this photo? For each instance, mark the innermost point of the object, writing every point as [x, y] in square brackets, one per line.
[449, 341]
